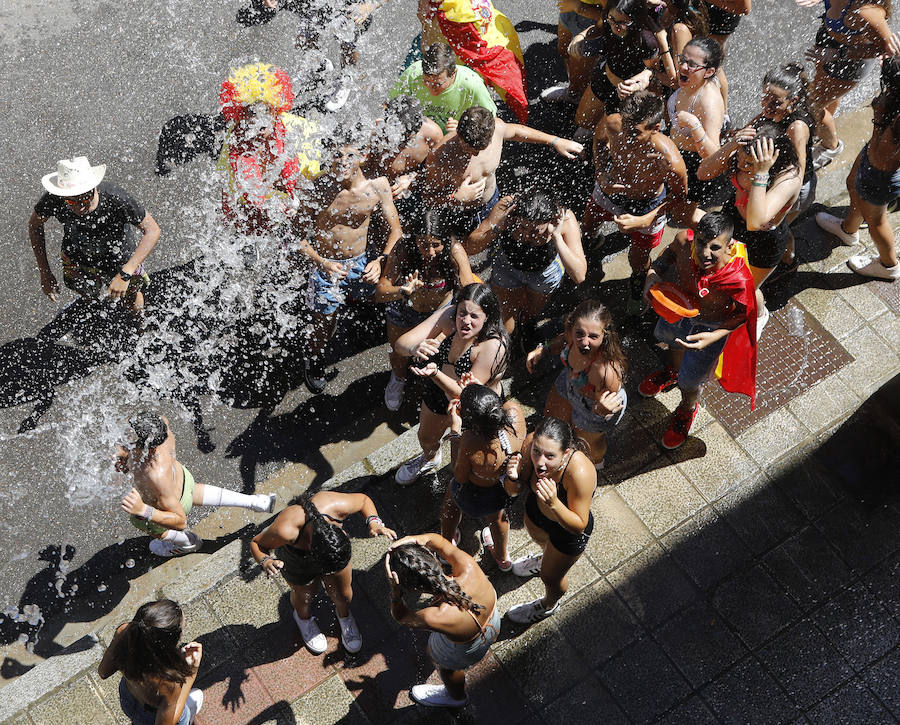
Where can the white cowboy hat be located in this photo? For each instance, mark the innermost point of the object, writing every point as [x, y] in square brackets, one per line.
[73, 177]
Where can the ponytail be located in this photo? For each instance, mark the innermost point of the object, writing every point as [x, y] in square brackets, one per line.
[418, 570]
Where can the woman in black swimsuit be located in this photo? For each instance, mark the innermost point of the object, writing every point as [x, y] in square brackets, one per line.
[467, 337]
[560, 481]
[313, 548]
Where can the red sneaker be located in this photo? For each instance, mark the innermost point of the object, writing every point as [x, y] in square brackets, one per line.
[679, 427]
[657, 382]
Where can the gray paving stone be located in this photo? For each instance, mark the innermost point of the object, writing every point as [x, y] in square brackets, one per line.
[653, 586]
[597, 624]
[108, 690]
[205, 574]
[888, 328]
[22, 719]
[805, 664]
[661, 497]
[862, 299]
[588, 701]
[808, 567]
[853, 703]
[882, 680]
[634, 449]
[761, 514]
[861, 376]
[860, 628]
[643, 681]
[833, 311]
[773, 436]
[693, 711]
[328, 704]
[246, 607]
[824, 403]
[884, 581]
[747, 694]
[807, 483]
[699, 642]
[77, 703]
[863, 535]
[618, 532]
[723, 465]
[707, 547]
[755, 605]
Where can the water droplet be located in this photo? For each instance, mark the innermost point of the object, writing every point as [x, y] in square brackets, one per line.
[129, 563]
[101, 587]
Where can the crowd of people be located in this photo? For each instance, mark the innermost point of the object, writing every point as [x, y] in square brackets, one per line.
[398, 213]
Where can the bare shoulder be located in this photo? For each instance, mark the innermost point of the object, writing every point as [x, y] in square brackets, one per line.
[666, 147]
[580, 473]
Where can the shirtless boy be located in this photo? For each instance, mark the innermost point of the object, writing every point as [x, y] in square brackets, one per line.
[338, 249]
[720, 285]
[639, 173]
[461, 172]
[164, 491]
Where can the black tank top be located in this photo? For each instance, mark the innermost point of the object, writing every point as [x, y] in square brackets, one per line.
[525, 256]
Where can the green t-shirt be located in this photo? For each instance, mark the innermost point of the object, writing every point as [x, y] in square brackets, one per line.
[467, 90]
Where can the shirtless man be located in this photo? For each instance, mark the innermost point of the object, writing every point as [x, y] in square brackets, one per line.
[338, 249]
[461, 172]
[639, 173]
[164, 491]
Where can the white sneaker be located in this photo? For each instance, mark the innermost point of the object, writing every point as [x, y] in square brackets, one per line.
[312, 636]
[528, 565]
[435, 696]
[871, 266]
[393, 393]
[822, 156]
[163, 547]
[418, 466]
[339, 94]
[194, 703]
[561, 93]
[264, 502]
[761, 321]
[350, 636]
[530, 613]
[832, 224]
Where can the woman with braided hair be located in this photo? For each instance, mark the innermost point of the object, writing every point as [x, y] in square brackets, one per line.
[462, 613]
[312, 548]
[157, 672]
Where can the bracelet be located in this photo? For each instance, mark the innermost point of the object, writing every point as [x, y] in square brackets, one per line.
[375, 518]
[453, 435]
[694, 128]
[701, 139]
[759, 184]
[667, 50]
[762, 177]
[553, 141]
[148, 513]
[125, 276]
[267, 557]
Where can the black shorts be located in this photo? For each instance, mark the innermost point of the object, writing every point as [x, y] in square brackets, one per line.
[564, 541]
[709, 193]
[721, 22]
[604, 90]
[302, 568]
[764, 248]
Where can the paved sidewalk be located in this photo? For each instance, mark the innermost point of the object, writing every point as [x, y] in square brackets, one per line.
[749, 577]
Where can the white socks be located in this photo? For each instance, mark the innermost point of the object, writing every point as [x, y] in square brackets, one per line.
[216, 496]
[178, 538]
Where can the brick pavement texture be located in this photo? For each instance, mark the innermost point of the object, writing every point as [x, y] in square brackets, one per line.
[749, 577]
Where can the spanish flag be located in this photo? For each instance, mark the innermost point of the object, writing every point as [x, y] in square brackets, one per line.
[486, 41]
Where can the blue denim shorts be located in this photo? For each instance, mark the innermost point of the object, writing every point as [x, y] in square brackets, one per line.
[462, 655]
[697, 365]
[505, 274]
[402, 314]
[875, 186]
[141, 714]
[583, 415]
[326, 294]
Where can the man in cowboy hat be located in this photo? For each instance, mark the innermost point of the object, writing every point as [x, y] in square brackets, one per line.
[99, 254]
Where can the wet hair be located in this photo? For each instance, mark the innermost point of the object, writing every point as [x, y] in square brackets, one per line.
[432, 223]
[714, 224]
[437, 58]
[634, 10]
[711, 50]
[787, 154]
[493, 328]
[792, 78]
[405, 113]
[482, 411]
[561, 432]
[694, 15]
[611, 347]
[149, 647]
[886, 105]
[537, 205]
[330, 544]
[642, 107]
[419, 570]
[476, 127]
[149, 429]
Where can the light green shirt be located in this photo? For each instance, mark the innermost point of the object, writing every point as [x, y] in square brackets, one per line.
[467, 90]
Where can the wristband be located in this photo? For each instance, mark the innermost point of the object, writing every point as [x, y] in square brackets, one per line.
[148, 513]
[762, 177]
[125, 276]
[375, 518]
[694, 128]
[267, 557]
[760, 185]
[453, 435]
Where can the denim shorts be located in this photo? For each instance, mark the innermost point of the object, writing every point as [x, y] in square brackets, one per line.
[326, 294]
[696, 365]
[506, 275]
[807, 194]
[583, 415]
[875, 186]
[141, 714]
[575, 23]
[402, 314]
[462, 655]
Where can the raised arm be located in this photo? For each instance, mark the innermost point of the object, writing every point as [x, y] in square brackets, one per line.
[486, 232]
[562, 146]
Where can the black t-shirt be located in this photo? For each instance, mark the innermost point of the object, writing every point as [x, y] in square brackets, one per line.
[625, 56]
[103, 238]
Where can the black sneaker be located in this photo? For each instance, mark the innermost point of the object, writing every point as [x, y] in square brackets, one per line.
[316, 377]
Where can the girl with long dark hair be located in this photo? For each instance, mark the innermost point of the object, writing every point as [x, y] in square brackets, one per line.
[461, 614]
[423, 273]
[466, 338]
[157, 671]
[307, 543]
[559, 481]
[489, 432]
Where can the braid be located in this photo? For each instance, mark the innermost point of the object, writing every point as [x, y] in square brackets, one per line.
[419, 570]
[330, 543]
